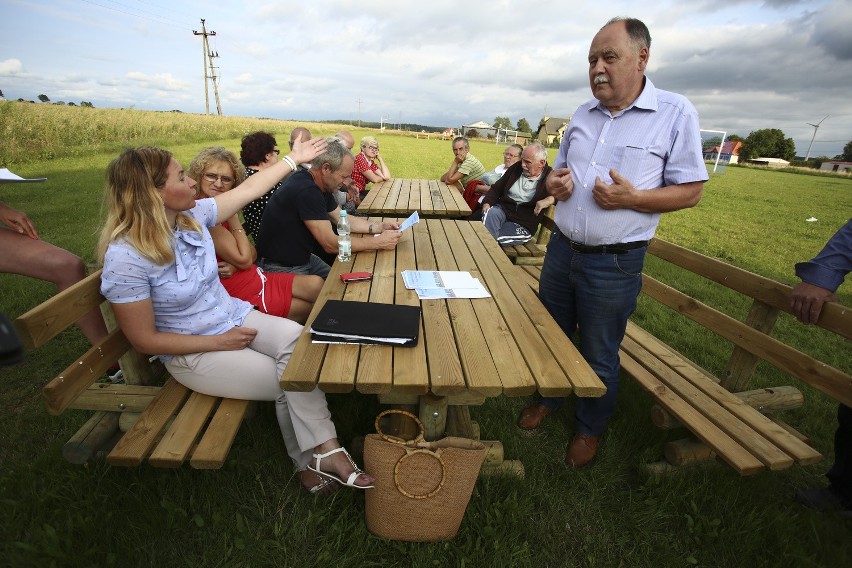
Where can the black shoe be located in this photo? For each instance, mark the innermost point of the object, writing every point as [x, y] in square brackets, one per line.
[823, 500]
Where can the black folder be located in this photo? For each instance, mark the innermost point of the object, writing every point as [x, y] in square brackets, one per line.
[340, 321]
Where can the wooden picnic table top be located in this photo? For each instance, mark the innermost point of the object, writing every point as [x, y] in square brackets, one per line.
[507, 344]
[430, 198]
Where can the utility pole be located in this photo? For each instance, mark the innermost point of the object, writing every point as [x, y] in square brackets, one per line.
[816, 127]
[208, 56]
[359, 113]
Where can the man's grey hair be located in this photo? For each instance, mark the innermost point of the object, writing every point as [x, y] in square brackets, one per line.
[636, 30]
[463, 139]
[540, 150]
[333, 155]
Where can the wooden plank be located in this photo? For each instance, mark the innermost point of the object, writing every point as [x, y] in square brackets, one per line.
[511, 375]
[178, 440]
[526, 318]
[411, 369]
[530, 261]
[834, 316]
[454, 201]
[219, 436]
[716, 410]
[119, 398]
[527, 277]
[415, 196]
[89, 439]
[138, 441]
[742, 364]
[728, 449]
[829, 380]
[439, 193]
[735, 405]
[481, 374]
[61, 392]
[45, 321]
[445, 369]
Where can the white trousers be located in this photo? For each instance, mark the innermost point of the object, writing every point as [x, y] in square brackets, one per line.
[253, 373]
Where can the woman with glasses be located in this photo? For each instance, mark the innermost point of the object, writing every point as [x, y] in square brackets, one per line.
[217, 171]
[366, 169]
[160, 277]
[258, 152]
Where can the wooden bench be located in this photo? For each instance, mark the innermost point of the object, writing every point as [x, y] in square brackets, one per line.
[727, 419]
[136, 420]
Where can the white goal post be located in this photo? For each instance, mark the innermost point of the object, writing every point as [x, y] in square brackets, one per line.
[721, 145]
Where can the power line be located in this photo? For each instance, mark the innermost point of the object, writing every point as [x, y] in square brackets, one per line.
[155, 19]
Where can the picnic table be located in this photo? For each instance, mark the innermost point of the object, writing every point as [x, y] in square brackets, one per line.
[430, 198]
[469, 349]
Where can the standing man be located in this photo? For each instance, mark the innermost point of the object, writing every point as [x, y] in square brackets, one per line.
[629, 154]
[513, 207]
[297, 220]
[820, 279]
[465, 167]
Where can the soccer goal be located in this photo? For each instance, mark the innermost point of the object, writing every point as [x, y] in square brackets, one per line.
[713, 145]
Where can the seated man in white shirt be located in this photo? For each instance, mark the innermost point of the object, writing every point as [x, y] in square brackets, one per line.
[513, 207]
[511, 155]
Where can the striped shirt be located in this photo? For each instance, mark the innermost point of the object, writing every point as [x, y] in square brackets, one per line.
[654, 143]
[470, 169]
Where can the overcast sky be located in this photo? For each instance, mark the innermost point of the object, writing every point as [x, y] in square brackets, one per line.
[746, 65]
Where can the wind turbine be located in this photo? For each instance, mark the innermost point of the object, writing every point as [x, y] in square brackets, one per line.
[816, 127]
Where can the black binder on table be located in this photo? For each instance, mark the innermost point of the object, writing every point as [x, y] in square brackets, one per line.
[340, 321]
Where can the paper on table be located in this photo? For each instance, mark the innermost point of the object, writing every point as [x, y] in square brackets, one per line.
[8, 177]
[438, 279]
[412, 219]
[450, 293]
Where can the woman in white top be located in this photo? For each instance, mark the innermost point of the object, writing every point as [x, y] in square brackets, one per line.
[160, 275]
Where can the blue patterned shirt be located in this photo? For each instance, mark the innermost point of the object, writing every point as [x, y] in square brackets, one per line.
[655, 142]
[187, 295]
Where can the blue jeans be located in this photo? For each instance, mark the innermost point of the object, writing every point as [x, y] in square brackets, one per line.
[315, 266]
[595, 295]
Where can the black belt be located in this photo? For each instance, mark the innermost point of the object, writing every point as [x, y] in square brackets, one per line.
[617, 248]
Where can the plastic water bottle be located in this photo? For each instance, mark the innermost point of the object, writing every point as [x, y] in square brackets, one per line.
[344, 239]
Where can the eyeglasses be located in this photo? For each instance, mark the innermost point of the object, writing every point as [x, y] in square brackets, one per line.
[277, 151]
[511, 155]
[213, 178]
[373, 147]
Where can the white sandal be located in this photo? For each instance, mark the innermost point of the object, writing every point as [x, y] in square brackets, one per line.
[350, 481]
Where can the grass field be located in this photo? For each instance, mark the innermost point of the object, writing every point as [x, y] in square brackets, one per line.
[251, 513]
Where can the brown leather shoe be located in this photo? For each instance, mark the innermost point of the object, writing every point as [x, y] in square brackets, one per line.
[581, 451]
[532, 416]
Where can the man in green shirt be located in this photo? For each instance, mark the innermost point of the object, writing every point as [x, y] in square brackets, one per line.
[465, 167]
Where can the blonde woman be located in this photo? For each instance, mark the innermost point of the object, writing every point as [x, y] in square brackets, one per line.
[160, 275]
[367, 169]
[283, 294]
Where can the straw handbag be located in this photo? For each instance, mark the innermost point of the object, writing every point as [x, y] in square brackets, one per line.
[422, 488]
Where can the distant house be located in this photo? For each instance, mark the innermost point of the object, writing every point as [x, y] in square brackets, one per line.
[483, 129]
[730, 151]
[550, 129]
[834, 166]
[769, 162]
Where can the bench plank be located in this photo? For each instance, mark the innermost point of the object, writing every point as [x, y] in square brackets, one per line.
[219, 436]
[61, 392]
[791, 445]
[174, 446]
[728, 449]
[45, 321]
[829, 380]
[135, 445]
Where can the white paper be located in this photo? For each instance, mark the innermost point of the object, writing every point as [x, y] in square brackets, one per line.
[451, 293]
[8, 177]
[414, 218]
[438, 279]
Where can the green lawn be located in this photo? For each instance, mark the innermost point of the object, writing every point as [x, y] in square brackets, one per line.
[251, 513]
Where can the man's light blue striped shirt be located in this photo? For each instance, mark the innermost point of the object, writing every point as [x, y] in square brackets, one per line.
[655, 142]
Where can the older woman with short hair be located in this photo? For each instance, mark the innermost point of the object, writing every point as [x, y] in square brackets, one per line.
[366, 169]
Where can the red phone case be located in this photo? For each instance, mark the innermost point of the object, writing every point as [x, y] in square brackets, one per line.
[356, 276]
